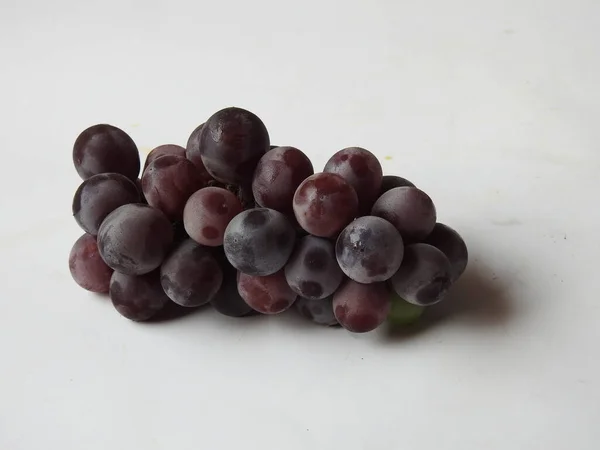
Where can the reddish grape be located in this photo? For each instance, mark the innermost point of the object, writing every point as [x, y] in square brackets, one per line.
[164, 150]
[268, 295]
[452, 245]
[87, 267]
[137, 297]
[361, 307]
[324, 204]
[105, 149]
[208, 212]
[319, 311]
[362, 170]
[192, 152]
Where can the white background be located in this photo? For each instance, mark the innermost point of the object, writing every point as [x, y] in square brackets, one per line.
[492, 107]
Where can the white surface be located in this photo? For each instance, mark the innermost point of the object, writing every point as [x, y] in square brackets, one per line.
[491, 107]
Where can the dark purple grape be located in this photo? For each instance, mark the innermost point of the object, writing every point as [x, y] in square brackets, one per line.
[137, 297]
[452, 245]
[424, 276]
[324, 204]
[267, 295]
[319, 311]
[100, 195]
[362, 170]
[390, 182]
[87, 267]
[259, 241]
[190, 275]
[192, 152]
[138, 185]
[232, 142]
[208, 212]
[227, 300]
[369, 250]
[105, 149]
[134, 239]
[277, 176]
[168, 182]
[164, 150]
[312, 270]
[410, 210]
[361, 307]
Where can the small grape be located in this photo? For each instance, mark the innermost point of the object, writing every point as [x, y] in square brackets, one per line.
[362, 170]
[452, 245]
[105, 149]
[259, 241]
[87, 267]
[190, 275]
[134, 239]
[208, 212]
[192, 152]
[410, 210]
[402, 312]
[369, 250]
[312, 270]
[424, 276]
[268, 295]
[324, 204]
[277, 176]
[320, 311]
[137, 297]
[164, 150]
[227, 300]
[390, 182]
[168, 182]
[360, 308]
[232, 142]
[100, 195]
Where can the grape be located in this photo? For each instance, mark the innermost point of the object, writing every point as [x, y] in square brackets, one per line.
[402, 312]
[268, 295]
[192, 152]
[369, 250]
[362, 170]
[390, 182]
[190, 275]
[409, 209]
[324, 204]
[138, 185]
[320, 311]
[232, 142]
[137, 297]
[278, 173]
[312, 271]
[100, 195]
[87, 267]
[105, 149]
[259, 241]
[424, 276]
[227, 300]
[168, 182]
[164, 150]
[208, 212]
[134, 239]
[361, 307]
[452, 245]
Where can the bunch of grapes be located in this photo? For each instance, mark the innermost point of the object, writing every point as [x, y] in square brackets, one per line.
[250, 228]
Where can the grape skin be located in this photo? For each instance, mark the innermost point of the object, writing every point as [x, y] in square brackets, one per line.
[227, 300]
[100, 195]
[324, 204]
[134, 239]
[164, 150]
[312, 270]
[192, 152]
[137, 297]
[105, 148]
[168, 182]
[424, 276]
[259, 241]
[390, 182]
[369, 250]
[410, 210]
[87, 267]
[190, 275]
[232, 142]
[208, 212]
[361, 308]
[277, 176]
[362, 170]
[452, 245]
[268, 294]
[319, 311]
